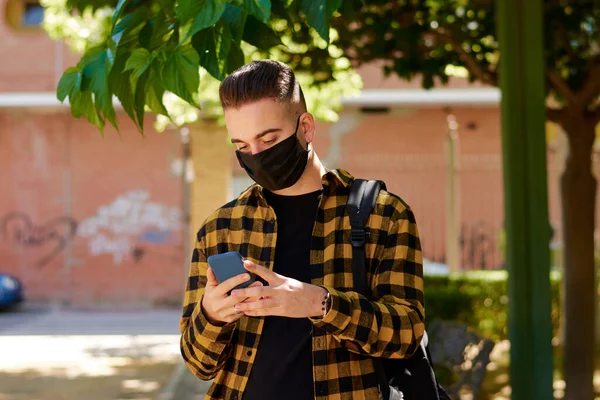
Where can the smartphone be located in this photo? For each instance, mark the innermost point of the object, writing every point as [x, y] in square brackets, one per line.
[227, 265]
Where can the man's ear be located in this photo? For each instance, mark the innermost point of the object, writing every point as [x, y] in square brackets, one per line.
[307, 126]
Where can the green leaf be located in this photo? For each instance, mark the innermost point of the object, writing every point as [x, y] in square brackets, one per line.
[205, 45]
[187, 10]
[162, 28]
[196, 15]
[129, 26]
[180, 74]
[118, 11]
[213, 46]
[111, 115]
[119, 82]
[81, 5]
[236, 19]
[225, 40]
[83, 105]
[207, 17]
[154, 94]
[318, 13]
[96, 72]
[138, 62]
[140, 99]
[69, 84]
[261, 9]
[259, 35]
[146, 34]
[235, 58]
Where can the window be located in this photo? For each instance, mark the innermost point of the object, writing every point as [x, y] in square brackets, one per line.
[24, 14]
[33, 14]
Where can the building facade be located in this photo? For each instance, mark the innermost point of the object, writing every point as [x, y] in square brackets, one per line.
[90, 221]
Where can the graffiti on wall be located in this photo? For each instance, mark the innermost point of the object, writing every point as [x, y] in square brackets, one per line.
[49, 239]
[479, 245]
[119, 227]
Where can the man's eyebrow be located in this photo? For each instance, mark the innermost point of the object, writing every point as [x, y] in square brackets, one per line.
[259, 135]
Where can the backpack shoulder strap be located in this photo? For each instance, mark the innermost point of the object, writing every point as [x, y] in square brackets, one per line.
[361, 202]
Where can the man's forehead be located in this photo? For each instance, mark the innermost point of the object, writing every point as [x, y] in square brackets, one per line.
[265, 107]
[252, 119]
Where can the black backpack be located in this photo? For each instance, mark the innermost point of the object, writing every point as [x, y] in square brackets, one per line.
[414, 377]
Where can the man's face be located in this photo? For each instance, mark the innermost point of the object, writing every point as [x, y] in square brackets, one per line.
[257, 126]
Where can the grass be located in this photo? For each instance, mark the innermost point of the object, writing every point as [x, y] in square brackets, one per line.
[140, 379]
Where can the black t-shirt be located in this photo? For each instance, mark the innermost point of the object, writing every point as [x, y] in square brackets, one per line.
[283, 365]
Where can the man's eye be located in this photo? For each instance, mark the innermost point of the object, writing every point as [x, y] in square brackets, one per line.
[271, 141]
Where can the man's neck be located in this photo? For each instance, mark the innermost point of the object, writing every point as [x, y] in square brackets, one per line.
[309, 182]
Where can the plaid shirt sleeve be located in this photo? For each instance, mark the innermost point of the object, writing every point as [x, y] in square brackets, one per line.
[204, 346]
[391, 326]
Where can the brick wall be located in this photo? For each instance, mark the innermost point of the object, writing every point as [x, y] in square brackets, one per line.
[124, 193]
[121, 193]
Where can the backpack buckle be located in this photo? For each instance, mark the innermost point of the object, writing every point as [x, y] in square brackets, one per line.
[358, 237]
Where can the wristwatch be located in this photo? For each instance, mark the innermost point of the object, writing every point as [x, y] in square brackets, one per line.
[326, 303]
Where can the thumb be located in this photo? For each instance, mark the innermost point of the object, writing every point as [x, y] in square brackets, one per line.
[211, 279]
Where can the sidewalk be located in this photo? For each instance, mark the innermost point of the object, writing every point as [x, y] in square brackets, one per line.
[48, 354]
[67, 344]
[186, 386]
[37, 320]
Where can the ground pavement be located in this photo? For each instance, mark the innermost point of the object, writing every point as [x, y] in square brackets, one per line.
[83, 342]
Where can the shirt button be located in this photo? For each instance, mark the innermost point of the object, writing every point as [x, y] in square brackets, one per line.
[249, 353]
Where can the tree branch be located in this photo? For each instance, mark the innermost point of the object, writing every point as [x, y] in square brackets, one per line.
[561, 87]
[474, 68]
[591, 88]
[555, 115]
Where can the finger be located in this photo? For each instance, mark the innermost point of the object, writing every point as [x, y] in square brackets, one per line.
[226, 286]
[211, 279]
[263, 272]
[262, 312]
[257, 291]
[256, 305]
[232, 315]
[255, 284]
[227, 303]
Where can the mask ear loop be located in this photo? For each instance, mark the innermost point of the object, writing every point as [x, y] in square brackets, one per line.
[309, 146]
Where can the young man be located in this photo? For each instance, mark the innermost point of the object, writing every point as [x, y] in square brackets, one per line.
[303, 333]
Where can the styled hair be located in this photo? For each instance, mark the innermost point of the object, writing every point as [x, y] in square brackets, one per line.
[259, 80]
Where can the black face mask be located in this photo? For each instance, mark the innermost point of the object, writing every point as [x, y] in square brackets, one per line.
[278, 167]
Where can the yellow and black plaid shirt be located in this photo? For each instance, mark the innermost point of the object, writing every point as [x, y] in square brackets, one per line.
[390, 324]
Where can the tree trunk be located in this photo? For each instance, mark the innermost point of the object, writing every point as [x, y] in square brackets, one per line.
[578, 193]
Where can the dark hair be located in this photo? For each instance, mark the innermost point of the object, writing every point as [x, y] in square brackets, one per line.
[258, 80]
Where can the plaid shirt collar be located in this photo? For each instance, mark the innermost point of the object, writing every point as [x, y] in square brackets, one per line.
[331, 181]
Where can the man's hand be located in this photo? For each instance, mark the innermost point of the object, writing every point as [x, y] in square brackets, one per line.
[283, 297]
[217, 305]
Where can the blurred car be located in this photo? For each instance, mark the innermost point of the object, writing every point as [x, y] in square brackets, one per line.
[434, 268]
[11, 291]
